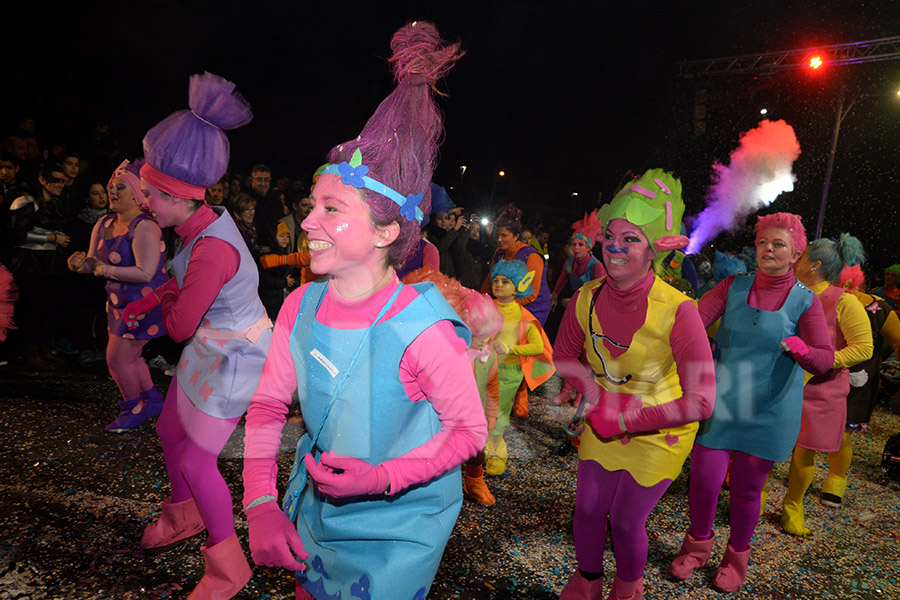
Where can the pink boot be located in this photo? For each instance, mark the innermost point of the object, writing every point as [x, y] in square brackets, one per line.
[626, 590]
[227, 571]
[579, 588]
[177, 523]
[693, 555]
[733, 570]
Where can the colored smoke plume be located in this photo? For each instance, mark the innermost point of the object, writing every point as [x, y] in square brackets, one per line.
[759, 169]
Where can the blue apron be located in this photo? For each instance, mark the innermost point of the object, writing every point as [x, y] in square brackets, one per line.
[576, 281]
[375, 547]
[759, 387]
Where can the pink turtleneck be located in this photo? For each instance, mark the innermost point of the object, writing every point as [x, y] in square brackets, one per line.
[769, 292]
[578, 267]
[620, 314]
[435, 367]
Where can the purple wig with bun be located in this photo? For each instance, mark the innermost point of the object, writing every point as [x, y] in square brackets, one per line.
[189, 145]
[399, 143]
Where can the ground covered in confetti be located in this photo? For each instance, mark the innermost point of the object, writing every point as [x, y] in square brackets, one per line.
[76, 499]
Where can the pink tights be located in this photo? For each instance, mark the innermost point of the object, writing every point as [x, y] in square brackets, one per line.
[748, 476]
[128, 370]
[628, 504]
[191, 442]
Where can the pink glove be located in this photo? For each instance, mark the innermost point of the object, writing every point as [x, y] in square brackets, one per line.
[133, 310]
[604, 421]
[341, 476]
[273, 536]
[797, 347]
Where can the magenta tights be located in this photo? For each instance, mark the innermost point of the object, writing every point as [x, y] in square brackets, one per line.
[748, 476]
[191, 442]
[128, 370]
[628, 504]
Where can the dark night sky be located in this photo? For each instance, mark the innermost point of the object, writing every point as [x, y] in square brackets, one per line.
[564, 96]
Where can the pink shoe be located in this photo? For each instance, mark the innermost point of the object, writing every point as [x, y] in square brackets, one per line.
[579, 588]
[227, 571]
[177, 523]
[693, 555]
[731, 573]
[626, 590]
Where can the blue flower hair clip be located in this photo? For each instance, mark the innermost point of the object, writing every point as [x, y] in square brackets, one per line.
[356, 174]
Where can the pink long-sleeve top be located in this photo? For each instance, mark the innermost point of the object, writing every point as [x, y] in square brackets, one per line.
[578, 267]
[620, 314]
[769, 292]
[435, 367]
[213, 263]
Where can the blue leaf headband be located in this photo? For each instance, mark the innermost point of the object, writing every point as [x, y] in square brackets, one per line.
[355, 173]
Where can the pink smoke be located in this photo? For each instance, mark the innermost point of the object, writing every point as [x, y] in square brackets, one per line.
[759, 170]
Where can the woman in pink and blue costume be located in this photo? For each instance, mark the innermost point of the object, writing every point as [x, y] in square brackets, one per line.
[772, 329]
[386, 388]
[127, 248]
[651, 378]
[212, 305]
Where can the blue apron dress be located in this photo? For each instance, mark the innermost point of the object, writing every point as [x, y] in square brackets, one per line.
[374, 547]
[576, 281]
[759, 387]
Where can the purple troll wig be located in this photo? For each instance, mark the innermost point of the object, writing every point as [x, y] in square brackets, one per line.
[400, 141]
[787, 221]
[190, 146]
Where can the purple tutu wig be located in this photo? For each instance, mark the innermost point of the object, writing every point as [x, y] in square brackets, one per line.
[190, 146]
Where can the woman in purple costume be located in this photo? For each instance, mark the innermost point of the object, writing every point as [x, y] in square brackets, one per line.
[128, 250]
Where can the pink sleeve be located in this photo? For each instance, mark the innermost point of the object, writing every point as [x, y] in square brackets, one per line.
[696, 374]
[213, 263]
[561, 282]
[599, 270]
[570, 340]
[431, 257]
[146, 249]
[712, 304]
[269, 406]
[435, 369]
[813, 330]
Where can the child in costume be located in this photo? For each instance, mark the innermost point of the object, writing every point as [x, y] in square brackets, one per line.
[864, 382]
[650, 379]
[385, 385]
[772, 328]
[525, 354]
[127, 248]
[825, 396]
[579, 268]
[212, 303]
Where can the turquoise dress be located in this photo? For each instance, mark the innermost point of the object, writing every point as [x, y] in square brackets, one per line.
[375, 547]
[759, 387]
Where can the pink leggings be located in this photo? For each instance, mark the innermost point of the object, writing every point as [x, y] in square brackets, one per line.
[191, 442]
[748, 476]
[128, 369]
[628, 504]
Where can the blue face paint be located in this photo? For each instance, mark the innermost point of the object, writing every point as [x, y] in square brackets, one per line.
[613, 249]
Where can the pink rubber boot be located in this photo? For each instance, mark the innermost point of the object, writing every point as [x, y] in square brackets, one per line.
[177, 523]
[731, 573]
[227, 571]
[626, 590]
[693, 555]
[579, 588]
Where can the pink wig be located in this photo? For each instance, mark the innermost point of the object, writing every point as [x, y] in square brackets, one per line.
[787, 221]
[853, 278]
[476, 310]
[400, 141]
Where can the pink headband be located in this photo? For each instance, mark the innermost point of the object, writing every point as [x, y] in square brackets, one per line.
[172, 186]
[130, 179]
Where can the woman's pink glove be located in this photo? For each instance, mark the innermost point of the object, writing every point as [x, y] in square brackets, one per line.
[273, 536]
[133, 310]
[797, 347]
[339, 476]
[604, 421]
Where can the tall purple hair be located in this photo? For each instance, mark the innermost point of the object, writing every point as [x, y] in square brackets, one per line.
[400, 141]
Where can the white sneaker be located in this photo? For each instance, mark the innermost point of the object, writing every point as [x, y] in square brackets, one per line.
[159, 363]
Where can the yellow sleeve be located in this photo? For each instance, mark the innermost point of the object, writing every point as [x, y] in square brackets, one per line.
[891, 331]
[534, 346]
[857, 330]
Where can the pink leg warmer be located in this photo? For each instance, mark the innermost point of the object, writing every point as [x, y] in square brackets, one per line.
[192, 441]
